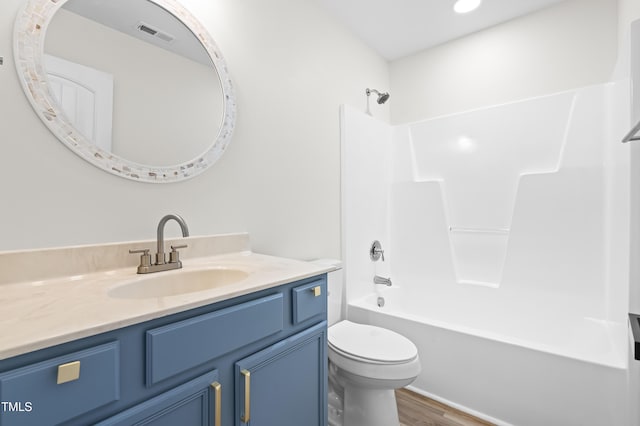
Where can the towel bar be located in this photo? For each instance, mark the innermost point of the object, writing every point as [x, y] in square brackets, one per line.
[631, 136]
[634, 321]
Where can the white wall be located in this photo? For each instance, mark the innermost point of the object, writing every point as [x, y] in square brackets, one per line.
[292, 65]
[628, 11]
[566, 46]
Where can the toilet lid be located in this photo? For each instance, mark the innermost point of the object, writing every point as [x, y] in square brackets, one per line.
[371, 343]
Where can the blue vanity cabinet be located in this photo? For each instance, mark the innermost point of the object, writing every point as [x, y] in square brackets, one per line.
[286, 383]
[195, 403]
[186, 368]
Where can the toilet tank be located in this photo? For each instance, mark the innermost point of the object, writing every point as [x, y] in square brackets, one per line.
[335, 290]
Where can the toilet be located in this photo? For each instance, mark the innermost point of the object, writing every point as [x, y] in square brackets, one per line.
[366, 365]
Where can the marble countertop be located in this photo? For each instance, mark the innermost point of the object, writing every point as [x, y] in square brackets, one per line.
[39, 313]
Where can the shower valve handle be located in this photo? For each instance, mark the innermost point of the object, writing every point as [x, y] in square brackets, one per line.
[376, 252]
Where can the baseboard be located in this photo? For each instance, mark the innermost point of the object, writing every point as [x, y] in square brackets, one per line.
[457, 406]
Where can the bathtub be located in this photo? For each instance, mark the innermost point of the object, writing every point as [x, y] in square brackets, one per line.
[535, 368]
[506, 235]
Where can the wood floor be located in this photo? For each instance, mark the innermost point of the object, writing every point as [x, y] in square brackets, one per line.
[418, 410]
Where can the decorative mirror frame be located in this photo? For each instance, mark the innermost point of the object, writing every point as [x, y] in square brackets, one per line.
[29, 37]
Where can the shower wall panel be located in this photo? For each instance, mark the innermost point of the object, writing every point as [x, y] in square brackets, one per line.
[512, 197]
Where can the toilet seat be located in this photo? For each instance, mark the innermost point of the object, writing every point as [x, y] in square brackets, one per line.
[372, 356]
[370, 344]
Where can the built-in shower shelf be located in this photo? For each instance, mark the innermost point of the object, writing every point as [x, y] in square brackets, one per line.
[480, 283]
[479, 254]
[480, 230]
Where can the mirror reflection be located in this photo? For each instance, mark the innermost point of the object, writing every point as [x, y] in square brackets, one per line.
[133, 80]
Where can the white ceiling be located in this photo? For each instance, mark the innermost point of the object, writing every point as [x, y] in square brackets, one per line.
[397, 28]
[127, 15]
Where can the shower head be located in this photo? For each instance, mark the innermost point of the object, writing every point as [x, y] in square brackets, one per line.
[382, 97]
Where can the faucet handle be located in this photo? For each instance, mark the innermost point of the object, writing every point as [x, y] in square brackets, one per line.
[376, 252]
[145, 258]
[174, 256]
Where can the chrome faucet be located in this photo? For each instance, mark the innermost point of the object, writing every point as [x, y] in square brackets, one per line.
[160, 259]
[382, 280]
[161, 263]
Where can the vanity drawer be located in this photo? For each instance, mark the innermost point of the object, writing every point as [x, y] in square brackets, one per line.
[59, 389]
[309, 300]
[180, 346]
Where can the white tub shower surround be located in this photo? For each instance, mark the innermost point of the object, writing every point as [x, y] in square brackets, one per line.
[506, 235]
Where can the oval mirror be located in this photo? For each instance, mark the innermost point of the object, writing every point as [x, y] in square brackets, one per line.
[135, 87]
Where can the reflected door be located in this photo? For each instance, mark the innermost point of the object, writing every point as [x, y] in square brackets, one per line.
[86, 97]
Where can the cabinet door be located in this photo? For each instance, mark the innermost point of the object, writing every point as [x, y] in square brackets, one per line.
[195, 403]
[286, 383]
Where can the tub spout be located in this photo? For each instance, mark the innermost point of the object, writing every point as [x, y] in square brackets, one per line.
[382, 280]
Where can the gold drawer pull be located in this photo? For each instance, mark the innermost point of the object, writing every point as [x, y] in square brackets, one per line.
[68, 372]
[217, 388]
[247, 396]
[317, 291]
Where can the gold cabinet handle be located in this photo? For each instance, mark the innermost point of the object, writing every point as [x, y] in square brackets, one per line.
[247, 396]
[217, 388]
[68, 372]
[317, 290]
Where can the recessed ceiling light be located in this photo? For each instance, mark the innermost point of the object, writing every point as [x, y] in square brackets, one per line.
[464, 6]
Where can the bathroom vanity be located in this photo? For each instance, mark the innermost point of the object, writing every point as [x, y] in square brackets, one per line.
[218, 335]
[93, 348]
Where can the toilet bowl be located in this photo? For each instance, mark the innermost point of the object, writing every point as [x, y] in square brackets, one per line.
[366, 365]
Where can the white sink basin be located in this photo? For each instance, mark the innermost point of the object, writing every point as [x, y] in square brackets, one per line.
[164, 284]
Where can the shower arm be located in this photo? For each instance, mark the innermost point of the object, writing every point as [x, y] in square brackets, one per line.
[631, 136]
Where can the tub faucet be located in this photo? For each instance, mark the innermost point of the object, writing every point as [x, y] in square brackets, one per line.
[376, 252]
[382, 280]
[161, 263]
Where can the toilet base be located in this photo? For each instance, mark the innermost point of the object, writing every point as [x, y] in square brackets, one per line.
[354, 405]
[370, 407]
